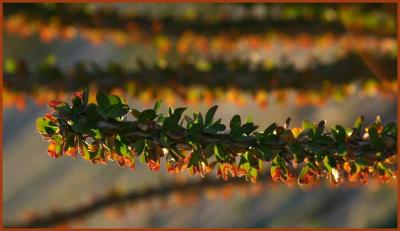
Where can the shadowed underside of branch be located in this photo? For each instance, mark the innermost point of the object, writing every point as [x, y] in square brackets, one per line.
[220, 76]
[116, 199]
[101, 133]
[181, 192]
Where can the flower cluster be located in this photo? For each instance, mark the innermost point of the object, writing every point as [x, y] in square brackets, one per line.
[100, 133]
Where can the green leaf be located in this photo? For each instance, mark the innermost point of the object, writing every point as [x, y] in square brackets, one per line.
[374, 137]
[148, 114]
[142, 159]
[296, 148]
[102, 99]
[327, 140]
[308, 125]
[384, 169]
[46, 126]
[165, 142]
[253, 172]
[329, 163]
[390, 129]
[339, 133]
[359, 122]
[303, 172]
[280, 162]
[256, 153]
[139, 146]
[157, 105]
[64, 109]
[220, 152]
[69, 141]
[175, 117]
[92, 115]
[170, 111]
[123, 149]
[249, 119]
[235, 122]
[360, 162]
[84, 150]
[117, 110]
[85, 96]
[214, 129]
[209, 150]
[80, 127]
[111, 106]
[200, 119]
[76, 102]
[248, 128]
[267, 153]
[195, 158]
[210, 115]
[114, 100]
[244, 162]
[341, 149]
[320, 128]
[270, 129]
[96, 134]
[195, 130]
[135, 113]
[97, 153]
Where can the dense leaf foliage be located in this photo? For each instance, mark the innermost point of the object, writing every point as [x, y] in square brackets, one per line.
[100, 132]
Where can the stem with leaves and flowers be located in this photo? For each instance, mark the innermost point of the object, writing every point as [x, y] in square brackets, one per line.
[100, 132]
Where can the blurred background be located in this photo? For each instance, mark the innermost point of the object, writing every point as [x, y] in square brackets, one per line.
[270, 61]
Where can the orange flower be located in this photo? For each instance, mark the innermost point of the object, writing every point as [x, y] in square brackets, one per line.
[98, 160]
[126, 162]
[347, 167]
[204, 169]
[253, 179]
[173, 166]
[241, 172]
[307, 178]
[52, 150]
[193, 170]
[154, 165]
[223, 171]
[121, 161]
[276, 174]
[71, 152]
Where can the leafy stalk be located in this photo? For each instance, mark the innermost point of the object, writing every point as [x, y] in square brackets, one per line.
[100, 132]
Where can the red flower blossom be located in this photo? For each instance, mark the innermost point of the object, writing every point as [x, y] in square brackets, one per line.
[51, 117]
[54, 103]
[78, 95]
